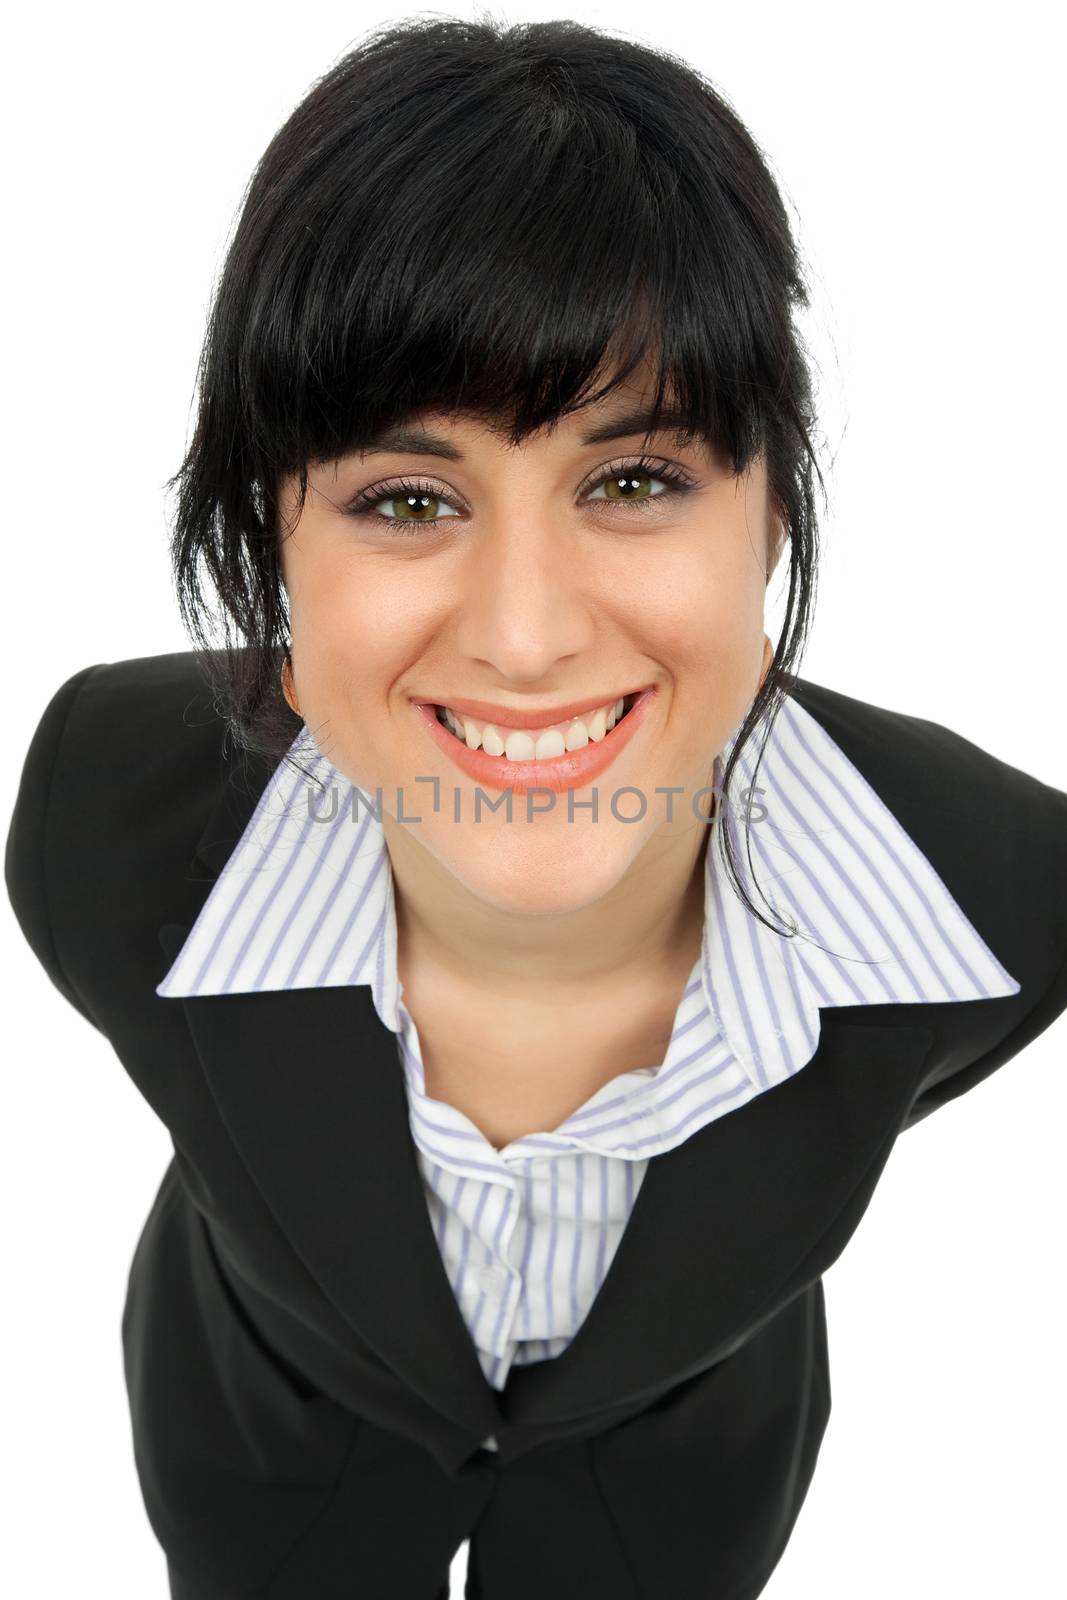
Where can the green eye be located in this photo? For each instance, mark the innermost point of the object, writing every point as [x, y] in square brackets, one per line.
[620, 487]
[419, 504]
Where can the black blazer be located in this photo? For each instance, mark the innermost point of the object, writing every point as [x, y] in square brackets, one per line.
[307, 1414]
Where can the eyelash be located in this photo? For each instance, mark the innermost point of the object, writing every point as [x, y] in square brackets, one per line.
[395, 489]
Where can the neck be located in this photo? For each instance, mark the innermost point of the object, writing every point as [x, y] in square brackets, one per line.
[647, 927]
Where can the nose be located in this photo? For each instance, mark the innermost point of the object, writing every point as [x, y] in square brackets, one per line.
[528, 601]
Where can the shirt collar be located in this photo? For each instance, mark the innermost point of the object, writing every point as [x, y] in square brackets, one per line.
[306, 900]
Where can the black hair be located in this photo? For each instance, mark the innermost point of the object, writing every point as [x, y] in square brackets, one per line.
[480, 217]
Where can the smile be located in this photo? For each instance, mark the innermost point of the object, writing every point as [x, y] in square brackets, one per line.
[559, 756]
[543, 744]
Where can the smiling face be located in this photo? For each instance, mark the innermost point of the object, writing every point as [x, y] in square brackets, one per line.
[538, 580]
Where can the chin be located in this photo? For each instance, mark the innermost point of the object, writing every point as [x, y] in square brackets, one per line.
[550, 874]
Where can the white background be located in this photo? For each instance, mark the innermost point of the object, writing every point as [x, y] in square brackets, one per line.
[920, 150]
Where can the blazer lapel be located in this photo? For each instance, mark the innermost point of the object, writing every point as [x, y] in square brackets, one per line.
[311, 1089]
[725, 1226]
[310, 1086]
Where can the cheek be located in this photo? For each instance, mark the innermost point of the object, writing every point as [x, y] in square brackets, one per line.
[705, 615]
[349, 644]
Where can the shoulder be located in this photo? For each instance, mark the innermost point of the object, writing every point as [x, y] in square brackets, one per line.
[946, 786]
[905, 755]
[128, 699]
[117, 736]
[119, 775]
[997, 837]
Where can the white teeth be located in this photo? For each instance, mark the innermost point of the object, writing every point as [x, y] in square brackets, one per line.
[549, 744]
[520, 747]
[519, 744]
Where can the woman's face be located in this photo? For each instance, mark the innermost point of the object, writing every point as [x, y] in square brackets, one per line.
[541, 587]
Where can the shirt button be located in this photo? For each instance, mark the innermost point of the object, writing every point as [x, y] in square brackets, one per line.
[491, 1278]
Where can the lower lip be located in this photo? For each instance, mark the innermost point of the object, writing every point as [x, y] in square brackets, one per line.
[558, 773]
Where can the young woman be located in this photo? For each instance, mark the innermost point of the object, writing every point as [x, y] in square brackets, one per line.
[533, 971]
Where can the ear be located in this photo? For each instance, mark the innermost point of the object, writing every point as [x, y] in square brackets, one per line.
[777, 538]
[287, 686]
[768, 658]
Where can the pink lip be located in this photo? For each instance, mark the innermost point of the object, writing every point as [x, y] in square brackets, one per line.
[558, 773]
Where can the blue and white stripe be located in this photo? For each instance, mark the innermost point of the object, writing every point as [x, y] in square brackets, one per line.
[527, 1233]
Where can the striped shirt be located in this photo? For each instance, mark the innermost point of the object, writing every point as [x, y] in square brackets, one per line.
[527, 1233]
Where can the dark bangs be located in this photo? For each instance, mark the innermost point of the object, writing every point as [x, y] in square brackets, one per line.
[502, 222]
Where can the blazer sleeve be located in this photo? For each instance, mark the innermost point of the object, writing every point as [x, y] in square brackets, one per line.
[26, 855]
[938, 1092]
[1041, 894]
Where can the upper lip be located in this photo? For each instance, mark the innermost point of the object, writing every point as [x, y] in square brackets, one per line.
[513, 717]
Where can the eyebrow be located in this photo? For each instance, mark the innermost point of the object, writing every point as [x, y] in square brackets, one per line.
[416, 441]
